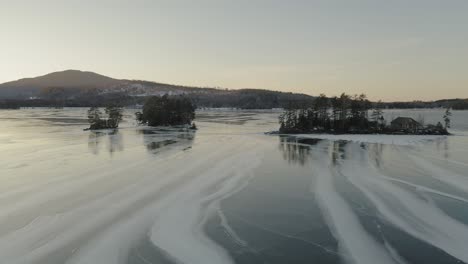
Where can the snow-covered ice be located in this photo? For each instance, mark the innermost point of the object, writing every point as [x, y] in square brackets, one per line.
[227, 193]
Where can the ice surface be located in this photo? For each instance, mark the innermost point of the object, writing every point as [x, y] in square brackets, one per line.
[357, 245]
[225, 194]
[408, 211]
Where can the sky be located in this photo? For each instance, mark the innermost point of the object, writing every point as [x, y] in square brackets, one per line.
[390, 50]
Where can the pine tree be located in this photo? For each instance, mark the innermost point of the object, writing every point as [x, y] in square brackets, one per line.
[321, 106]
[335, 110]
[94, 117]
[447, 116]
[344, 104]
[114, 116]
[377, 114]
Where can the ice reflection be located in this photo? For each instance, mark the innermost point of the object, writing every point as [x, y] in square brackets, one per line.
[296, 150]
[115, 141]
[376, 151]
[96, 138]
[443, 147]
[338, 151]
[157, 138]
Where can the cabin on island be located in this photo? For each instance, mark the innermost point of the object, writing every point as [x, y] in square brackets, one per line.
[405, 123]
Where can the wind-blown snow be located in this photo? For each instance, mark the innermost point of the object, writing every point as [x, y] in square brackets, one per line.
[178, 218]
[354, 241]
[75, 197]
[99, 212]
[455, 180]
[407, 211]
[179, 229]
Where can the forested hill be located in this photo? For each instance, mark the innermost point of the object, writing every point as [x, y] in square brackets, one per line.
[456, 104]
[78, 88]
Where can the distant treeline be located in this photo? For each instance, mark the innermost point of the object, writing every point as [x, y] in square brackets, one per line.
[242, 99]
[249, 99]
[201, 97]
[81, 101]
[456, 104]
[461, 104]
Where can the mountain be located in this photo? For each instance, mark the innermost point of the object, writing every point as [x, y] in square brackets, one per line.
[70, 79]
[74, 81]
[80, 88]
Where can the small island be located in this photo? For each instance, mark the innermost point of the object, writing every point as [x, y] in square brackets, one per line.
[97, 121]
[352, 115]
[157, 111]
[167, 111]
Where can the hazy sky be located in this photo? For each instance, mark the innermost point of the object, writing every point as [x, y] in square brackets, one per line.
[389, 49]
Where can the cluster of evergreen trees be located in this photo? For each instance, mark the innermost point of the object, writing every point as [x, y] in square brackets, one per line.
[338, 114]
[350, 114]
[167, 111]
[10, 104]
[460, 104]
[157, 111]
[96, 120]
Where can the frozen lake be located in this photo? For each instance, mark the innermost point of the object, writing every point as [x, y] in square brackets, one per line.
[228, 193]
